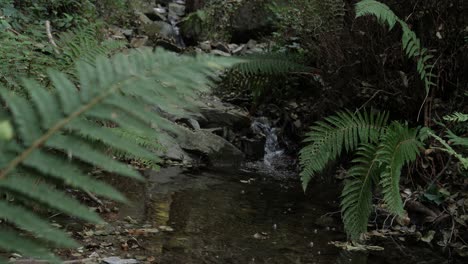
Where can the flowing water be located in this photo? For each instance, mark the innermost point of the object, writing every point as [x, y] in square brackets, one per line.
[273, 150]
[251, 217]
[242, 217]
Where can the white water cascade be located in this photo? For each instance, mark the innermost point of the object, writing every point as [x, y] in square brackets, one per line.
[273, 150]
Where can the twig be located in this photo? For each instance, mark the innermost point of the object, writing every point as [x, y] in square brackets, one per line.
[370, 99]
[51, 38]
[94, 198]
[436, 178]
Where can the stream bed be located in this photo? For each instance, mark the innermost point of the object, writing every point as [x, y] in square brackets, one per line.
[245, 217]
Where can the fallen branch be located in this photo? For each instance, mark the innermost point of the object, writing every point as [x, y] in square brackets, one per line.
[51, 38]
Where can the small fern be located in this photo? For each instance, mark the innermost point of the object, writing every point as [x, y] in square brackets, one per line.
[84, 44]
[381, 152]
[150, 142]
[343, 131]
[455, 140]
[411, 43]
[261, 72]
[55, 133]
[21, 56]
[456, 117]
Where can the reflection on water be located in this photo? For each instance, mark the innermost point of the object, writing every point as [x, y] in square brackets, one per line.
[242, 218]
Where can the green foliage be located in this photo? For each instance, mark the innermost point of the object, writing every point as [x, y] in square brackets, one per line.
[21, 56]
[83, 44]
[55, 134]
[447, 148]
[381, 152]
[344, 131]
[411, 43]
[150, 142]
[260, 73]
[456, 117]
[305, 22]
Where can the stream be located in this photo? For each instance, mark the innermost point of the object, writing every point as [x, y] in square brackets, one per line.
[250, 216]
[244, 217]
[257, 213]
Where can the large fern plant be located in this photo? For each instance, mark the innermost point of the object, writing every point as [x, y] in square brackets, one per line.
[381, 150]
[48, 138]
[411, 43]
[260, 74]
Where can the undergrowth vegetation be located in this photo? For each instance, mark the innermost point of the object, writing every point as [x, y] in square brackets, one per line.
[55, 134]
[381, 150]
[72, 101]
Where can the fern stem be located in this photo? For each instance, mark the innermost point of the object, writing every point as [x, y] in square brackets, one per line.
[57, 127]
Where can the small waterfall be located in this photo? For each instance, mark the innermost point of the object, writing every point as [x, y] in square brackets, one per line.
[173, 21]
[273, 150]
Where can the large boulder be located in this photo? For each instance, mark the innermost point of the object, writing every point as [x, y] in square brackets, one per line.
[219, 152]
[215, 114]
[200, 147]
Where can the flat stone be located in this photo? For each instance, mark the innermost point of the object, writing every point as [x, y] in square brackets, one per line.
[222, 47]
[205, 46]
[117, 260]
[176, 9]
[220, 53]
[142, 18]
[138, 41]
[238, 50]
[158, 28]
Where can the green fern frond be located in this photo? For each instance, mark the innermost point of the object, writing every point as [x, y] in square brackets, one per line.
[382, 12]
[269, 64]
[456, 117]
[20, 57]
[410, 42]
[399, 145]
[356, 203]
[259, 73]
[343, 131]
[84, 44]
[381, 152]
[55, 133]
[148, 141]
[456, 140]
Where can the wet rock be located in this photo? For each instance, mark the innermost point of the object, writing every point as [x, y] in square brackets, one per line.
[157, 29]
[238, 50]
[190, 123]
[127, 32]
[167, 45]
[222, 47]
[216, 114]
[143, 19]
[219, 152]
[139, 41]
[220, 53]
[117, 260]
[176, 10]
[158, 14]
[205, 46]
[251, 44]
[253, 148]
[174, 152]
